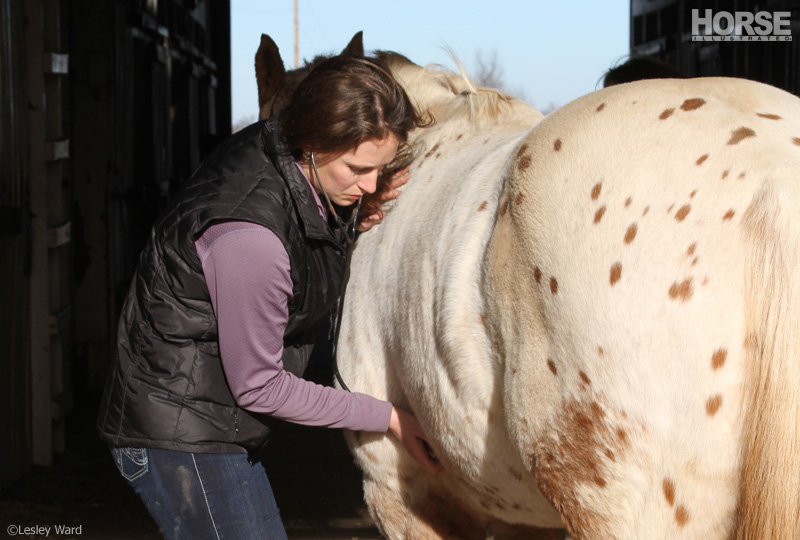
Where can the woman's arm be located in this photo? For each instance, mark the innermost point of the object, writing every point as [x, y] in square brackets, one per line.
[247, 272]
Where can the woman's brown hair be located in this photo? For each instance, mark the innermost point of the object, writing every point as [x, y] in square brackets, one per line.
[344, 101]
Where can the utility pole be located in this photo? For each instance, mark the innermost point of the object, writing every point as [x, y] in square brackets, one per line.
[296, 36]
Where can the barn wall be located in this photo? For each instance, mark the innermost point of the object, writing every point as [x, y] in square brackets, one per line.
[14, 253]
[152, 88]
[105, 107]
[663, 28]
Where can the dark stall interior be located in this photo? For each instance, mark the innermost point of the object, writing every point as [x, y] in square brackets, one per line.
[105, 107]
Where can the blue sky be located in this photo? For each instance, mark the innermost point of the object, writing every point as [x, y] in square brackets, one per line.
[549, 52]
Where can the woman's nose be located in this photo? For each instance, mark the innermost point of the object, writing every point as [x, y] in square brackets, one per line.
[369, 182]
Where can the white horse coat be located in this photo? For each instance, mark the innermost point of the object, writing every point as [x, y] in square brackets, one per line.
[594, 316]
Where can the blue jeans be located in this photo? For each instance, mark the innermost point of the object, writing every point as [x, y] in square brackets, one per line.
[203, 496]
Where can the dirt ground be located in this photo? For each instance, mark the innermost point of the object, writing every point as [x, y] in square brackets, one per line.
[316, 484]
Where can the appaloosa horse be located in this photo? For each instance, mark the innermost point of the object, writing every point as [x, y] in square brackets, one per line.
[595, 316]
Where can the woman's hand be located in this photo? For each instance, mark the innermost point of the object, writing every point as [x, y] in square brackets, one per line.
[371, 207]
[408, 431]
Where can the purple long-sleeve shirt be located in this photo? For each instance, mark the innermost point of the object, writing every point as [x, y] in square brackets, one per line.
[247, 272]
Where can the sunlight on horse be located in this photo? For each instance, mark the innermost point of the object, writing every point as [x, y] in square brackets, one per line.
[595, 316]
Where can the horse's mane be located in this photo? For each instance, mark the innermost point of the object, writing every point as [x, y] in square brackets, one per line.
[447, 95]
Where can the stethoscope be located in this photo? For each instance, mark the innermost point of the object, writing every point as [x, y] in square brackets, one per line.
[350, 234]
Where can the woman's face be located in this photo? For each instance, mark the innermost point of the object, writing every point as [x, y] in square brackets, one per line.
[347, 177]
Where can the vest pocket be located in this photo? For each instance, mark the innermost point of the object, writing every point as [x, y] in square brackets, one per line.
[131, 462]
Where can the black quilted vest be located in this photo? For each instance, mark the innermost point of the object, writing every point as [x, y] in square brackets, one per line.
[166, 387]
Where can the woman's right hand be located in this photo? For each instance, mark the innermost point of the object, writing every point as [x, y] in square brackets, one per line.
[408, 431]
[372, 206]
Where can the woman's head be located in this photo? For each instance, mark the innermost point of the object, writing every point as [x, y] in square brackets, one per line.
[641, 67]
[343, 102]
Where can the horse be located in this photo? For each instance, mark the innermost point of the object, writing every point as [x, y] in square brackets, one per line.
[594, 315]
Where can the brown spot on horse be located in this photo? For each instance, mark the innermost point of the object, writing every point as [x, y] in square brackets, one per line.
[482, 206]
[616, 273]
[600, 107]
[681, 516]
[622, 435]
[596, 190]
[692, 104]
[728, 215]
[572, 459]
[584, 378]
[552, 366]
[681, 214]
[557, 145]
[630, 234]
[770, 116]
[713, 404]
[741, 133]
[553, 286]
[666, 114]
[600, 481]
[796, 140]
[432, 150]
[725, 174]
[537, 274]
[701, 159]
[681, 291]
[599, 214]
[669, 491]
[718, 358]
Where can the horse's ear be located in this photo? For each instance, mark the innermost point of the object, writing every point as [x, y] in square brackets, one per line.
[269, 70]
[356, 45]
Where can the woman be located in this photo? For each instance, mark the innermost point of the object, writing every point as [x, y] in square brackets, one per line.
[238, 274]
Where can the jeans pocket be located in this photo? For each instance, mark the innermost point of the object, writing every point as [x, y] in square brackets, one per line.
[131, 462]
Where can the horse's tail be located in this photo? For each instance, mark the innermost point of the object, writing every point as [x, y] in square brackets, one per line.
[769, 499]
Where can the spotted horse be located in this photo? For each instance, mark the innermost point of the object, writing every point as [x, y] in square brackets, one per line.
[594, 315]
